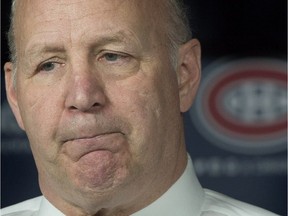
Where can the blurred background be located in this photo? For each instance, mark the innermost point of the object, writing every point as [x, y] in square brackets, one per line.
[236, 131]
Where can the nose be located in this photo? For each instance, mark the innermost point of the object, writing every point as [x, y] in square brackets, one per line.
[85, 90]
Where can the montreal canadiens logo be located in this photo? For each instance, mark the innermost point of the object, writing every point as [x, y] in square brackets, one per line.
[241, 105]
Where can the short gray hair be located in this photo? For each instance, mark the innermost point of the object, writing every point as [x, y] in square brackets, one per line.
[11, 35]
[177, 28]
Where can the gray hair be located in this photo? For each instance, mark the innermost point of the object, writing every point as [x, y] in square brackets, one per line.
[11, 35]
[11, 43]
[177, 28]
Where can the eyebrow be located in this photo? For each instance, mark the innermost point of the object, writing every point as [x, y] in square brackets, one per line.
[40, 48]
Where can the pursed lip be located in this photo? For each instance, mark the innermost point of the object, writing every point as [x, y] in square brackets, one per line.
[79, 146]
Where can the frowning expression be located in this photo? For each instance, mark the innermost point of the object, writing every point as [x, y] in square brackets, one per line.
[96, 93]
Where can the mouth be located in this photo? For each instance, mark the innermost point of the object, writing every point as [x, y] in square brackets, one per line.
[80, 146]
[91, 137]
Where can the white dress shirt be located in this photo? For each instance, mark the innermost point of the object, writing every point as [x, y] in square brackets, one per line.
[185, 198]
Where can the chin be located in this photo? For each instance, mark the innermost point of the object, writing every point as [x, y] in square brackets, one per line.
[101, 175]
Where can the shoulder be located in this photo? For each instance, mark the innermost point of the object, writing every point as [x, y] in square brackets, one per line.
[25, 208]
[219, 204]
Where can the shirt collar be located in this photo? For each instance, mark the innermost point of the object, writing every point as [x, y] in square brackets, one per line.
[47, 209]
[184, 198]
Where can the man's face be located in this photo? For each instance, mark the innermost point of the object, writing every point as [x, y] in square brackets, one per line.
[97, 95]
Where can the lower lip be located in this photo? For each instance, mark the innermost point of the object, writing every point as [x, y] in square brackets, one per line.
[97, 157]
[98, 145]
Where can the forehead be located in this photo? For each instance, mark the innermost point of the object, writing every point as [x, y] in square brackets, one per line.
[30, 11]
[42, 7]
[71, 18]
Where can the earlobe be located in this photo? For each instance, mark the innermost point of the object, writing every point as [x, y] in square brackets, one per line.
[12, 93]
[188, 72]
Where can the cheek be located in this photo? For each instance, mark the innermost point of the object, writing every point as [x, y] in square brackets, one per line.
[136, 101]
[147, 104]
[40, 113]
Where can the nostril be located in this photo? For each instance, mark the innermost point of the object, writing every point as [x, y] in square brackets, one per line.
[96, 105]
[86, 94]
[85, 109]
[73, 108]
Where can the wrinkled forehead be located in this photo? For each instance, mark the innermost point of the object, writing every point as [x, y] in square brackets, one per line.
[31, 14]
[24, 9]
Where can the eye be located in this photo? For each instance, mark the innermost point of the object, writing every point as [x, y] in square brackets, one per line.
[116, 62]
[49, 66]
[111, 56]
[114, 57]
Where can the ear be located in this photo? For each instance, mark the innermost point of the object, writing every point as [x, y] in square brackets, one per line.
[188, 72]
[11, 93]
